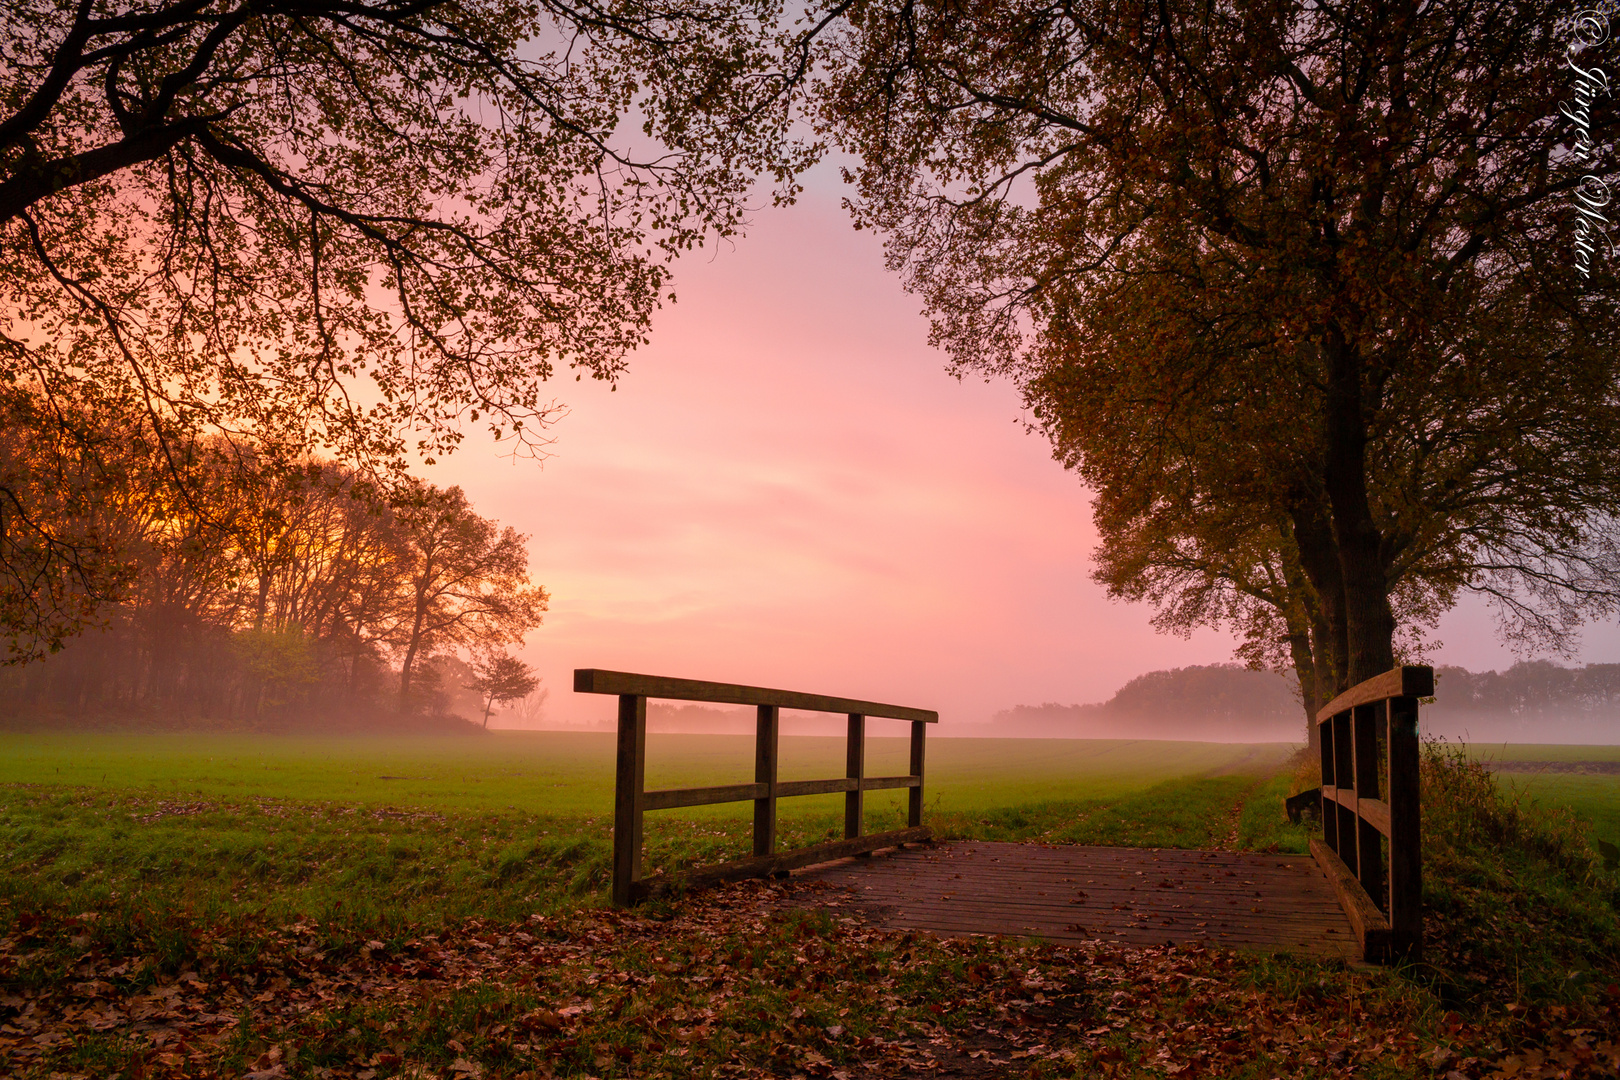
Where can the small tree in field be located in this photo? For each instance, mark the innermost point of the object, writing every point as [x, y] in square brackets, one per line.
[502, 678]
[468, 581]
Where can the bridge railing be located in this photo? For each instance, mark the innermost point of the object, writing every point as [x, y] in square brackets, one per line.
[1369, 845]
[631, 800]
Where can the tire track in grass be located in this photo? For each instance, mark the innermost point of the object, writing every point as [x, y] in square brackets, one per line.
[1234, 816]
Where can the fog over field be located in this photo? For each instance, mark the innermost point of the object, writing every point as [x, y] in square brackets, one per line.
[1532, 701]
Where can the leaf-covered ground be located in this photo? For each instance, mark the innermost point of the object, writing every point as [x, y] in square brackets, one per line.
[739, 982]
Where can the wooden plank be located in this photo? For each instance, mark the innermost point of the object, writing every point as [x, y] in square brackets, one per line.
[1374, 812]
[1322, 909]
[1409, 680]
[914, 802]
[814, 787]
[1025, 889]
[1405, 858]
[1364, 723]
[1267, 919]
[766, 729]
[885, 783]
[598, 681]
[765, 866]
[855, 769]
[629, 779]
[673, 798]
[1369, 924]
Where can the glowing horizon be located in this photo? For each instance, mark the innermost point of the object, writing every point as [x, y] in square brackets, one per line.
[787, 490]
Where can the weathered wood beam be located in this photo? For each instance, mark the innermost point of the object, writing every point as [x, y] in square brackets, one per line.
[1365, 919]
[597, 681]
[1409, 680]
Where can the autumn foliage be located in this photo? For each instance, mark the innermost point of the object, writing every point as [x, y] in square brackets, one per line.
[268, 594]
[1291, 286]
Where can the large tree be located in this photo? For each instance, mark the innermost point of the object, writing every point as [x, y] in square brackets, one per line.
[1302, 284]
[353, 227]
[466, 581]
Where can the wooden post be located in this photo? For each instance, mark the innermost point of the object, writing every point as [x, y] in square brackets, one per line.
[1405, 828]
[855, 801]
[629, 781]
[1368, 840]
[765, 773]
[1330, 811]
[919, 732]
[1344, 778]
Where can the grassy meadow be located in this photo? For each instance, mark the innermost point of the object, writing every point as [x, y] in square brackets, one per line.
[425, 828]
[429, 829]
[572, 772]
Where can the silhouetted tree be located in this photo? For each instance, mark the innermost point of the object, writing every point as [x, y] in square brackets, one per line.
[466, 581]
[349, 228]
[1308, 274]
[499, 678]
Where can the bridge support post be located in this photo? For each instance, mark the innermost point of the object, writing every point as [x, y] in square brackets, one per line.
[1368, 840]
[628, 796]
[914, 805]
[855, 801]
[765, 742]
[1405, 830]
[1344, 779]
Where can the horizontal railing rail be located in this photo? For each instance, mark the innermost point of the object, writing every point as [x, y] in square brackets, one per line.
[1370, 842]
[631, 800]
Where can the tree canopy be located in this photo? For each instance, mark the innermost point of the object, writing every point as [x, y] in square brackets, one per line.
[1294, 287]
[278, 595]
[354, 227]
[499, 678]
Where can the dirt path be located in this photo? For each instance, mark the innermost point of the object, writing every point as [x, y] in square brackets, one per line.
[1234, 816]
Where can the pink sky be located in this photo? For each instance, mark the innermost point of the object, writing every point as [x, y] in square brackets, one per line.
[787, 490]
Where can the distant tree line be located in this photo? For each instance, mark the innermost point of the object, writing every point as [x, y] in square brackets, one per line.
[1530, 701]
[1533, 689]
[265, 592]
[1215, 701]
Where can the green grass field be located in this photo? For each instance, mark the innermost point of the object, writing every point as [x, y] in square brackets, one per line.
[413, 829]
[570, 772]
[1593, 798]
[1542, 752]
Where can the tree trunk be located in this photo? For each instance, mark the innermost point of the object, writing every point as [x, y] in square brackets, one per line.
[1369, 623]
[1319, 560]
[1305, 672]
[410, 654]
[1303, 617]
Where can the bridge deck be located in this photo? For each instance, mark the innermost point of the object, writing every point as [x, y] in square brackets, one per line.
[1135, 896]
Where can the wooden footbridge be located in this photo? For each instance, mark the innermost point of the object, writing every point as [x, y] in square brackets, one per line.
[1357, 896]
